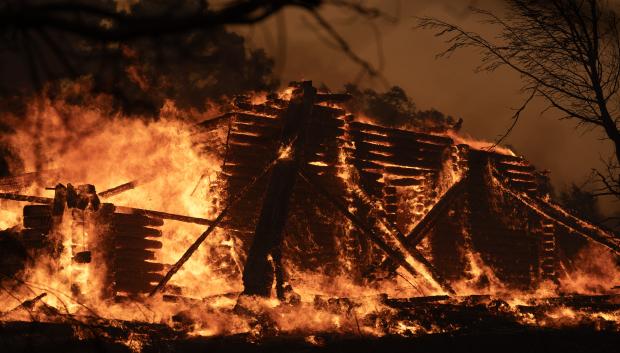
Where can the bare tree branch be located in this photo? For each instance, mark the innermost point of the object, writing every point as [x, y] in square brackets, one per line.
[568, 49]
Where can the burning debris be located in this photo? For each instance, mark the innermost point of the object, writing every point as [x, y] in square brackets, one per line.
[317, 223]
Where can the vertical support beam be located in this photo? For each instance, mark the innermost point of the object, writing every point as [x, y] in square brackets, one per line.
[258, 274]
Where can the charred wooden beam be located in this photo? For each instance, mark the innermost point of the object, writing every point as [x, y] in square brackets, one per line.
[380, 216]
[563, 218]
[258, 273]
[216, 222]
[397, 133]
[358, 223]
[256, 119]
[122, 209]
[18, 182]
[333, 97]
[441, 207]
[213, 123]
[119, 189]
[133, 220]
[27, 198]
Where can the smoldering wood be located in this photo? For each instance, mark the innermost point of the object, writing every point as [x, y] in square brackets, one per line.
[164, 215]
[137, 243]
[135, 220]
[564, 219]
[433, 215]
[119, 189]
[26, 304]
[22, 181]
[393, 253]
[123, 209]
[137, 232]
[26, 198]
[386, 161]
[378, 216]
[258, 273]
[399, 134]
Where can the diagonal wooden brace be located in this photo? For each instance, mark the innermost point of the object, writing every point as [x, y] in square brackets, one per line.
[396, 254]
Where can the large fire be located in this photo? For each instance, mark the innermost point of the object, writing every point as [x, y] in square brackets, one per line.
[175, 167]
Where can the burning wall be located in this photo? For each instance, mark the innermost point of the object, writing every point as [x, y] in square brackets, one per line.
[377, 210]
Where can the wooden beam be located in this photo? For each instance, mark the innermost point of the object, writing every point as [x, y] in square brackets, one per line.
[259, 273]
[123, 209]
[395, 254]
[362, 198]
[441, 207]
[190, 251]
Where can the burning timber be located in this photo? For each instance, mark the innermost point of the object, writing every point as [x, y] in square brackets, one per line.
[305, 187]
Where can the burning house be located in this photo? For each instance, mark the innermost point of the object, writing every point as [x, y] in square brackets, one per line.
[306, 187]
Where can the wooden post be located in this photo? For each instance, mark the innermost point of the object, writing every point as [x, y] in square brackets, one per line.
[258, 274]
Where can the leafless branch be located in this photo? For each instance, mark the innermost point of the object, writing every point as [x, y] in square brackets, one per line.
[515, 118]
[568, 49]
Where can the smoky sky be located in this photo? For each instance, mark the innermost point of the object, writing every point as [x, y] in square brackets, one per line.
[486, 101]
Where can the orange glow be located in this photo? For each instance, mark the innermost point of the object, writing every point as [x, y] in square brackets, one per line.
[178, 172]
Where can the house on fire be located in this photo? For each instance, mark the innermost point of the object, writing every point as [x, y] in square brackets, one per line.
[308, 186]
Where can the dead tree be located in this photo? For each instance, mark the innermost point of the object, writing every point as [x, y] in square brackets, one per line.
[567, 52]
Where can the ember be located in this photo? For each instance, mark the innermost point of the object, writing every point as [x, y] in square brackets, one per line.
[317, 224]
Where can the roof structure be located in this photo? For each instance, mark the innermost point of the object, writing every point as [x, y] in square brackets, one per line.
[306, 186]
[371, 198]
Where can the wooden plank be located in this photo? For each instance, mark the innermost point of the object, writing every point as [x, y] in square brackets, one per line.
[124, 242]
[523, 185]
[267, 109]
[518, 176]
[400, 160]
[405, 182]
[120, 220]
[37, 210]
[406, 172]
[364, 164]
[440, 140]
[263, 130]
[423, 227]
[252, 140]
[523, 168]
[136, 254]
[137, 232]
[321, 111]
[258, 273]
[132, 264]
[504, 158]
[38, 222]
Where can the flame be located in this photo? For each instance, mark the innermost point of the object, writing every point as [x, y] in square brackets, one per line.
[177, 173]
[477, 144]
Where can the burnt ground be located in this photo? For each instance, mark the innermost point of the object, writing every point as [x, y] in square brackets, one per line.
[469, 324]
[45, 337]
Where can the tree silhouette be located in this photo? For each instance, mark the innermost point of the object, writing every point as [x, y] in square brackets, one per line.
[394, 108]
[141, 53]
[567, 52]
